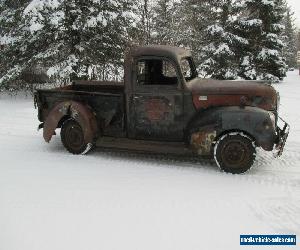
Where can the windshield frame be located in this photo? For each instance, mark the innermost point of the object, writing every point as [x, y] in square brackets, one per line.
[194, 73]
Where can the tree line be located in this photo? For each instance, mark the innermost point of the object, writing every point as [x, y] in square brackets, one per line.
[87, 39]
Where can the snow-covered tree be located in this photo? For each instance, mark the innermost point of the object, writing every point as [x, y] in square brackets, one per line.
[220, 55]
[142, 30]
[290, 48]
[87, 38]
[73, 38]
[164, 20]
[95, 33]
[11, 32]
[193, 19]
[263, 29]
[298, 40]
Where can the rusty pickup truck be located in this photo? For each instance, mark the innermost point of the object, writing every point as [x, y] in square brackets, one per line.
[163, 107]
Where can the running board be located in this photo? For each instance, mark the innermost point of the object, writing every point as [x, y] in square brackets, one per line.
[177, 148]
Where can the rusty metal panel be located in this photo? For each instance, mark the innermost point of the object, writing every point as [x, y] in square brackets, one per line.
[160, 50]
[53, 118]
[202, 141]
[251, 120]
[109, 107]
[255, 121]
[177, 148]
[212, 93]
[154, 109]
[206, 101]
[81, 113]
[87, 120]
[158, 115]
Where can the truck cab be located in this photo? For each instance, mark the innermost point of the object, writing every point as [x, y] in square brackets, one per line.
[163, 107]
[159, 104]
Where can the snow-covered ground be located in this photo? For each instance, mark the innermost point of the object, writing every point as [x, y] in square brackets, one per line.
[50, 199]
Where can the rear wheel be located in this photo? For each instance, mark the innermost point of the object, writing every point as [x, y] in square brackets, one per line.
[235, 153]
[72, 137]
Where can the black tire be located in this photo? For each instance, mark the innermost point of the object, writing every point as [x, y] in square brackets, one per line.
[72, 137]
[235, 153]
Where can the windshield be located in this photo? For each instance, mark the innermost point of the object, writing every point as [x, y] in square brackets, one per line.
[188, 68]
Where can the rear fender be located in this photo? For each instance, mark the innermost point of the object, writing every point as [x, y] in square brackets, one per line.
[79, 112]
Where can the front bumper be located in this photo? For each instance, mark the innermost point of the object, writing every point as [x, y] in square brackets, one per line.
[282, 134]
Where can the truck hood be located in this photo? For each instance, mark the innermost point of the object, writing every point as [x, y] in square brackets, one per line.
[208, 93]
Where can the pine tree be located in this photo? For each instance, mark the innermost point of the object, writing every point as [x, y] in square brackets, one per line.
[165, 28]
[290, 48]
[263, 29]
[220, 55]
[71, 37]
[11, 31]
[142, 33]
[193, 19]
[298, 41]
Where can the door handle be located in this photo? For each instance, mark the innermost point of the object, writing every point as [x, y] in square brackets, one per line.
[177, 110]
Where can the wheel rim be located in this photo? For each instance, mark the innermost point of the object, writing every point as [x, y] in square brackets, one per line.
[74, 136]
[234, 153]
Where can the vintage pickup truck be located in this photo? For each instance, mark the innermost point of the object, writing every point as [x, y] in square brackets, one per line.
[163, 107]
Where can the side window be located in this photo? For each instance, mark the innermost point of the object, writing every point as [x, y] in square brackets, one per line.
[168, 69]
[186, 68]
[156, 72]
[142, 74]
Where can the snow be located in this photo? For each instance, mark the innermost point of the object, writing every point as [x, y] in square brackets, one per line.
[34, 9]
[57, 18]
[4, 40]
[14, 71]
[223, 48]
[50, 199]
[250, 23]
[265, 53]
[64, 68]
[215, 29]
[268, 2]
[100, 19]
[35, 27]
[264, 2]
[35, 5]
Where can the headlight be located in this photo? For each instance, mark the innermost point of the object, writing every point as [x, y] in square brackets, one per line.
[273, 119]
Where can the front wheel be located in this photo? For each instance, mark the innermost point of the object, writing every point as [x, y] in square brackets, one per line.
[72, 137]
[235, 153]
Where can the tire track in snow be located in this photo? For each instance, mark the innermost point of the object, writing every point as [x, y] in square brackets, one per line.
[282, 214]
[263, 173]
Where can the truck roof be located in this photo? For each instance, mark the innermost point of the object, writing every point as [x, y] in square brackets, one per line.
[160, 50]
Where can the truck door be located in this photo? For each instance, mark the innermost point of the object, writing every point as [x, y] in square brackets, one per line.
[157, 101]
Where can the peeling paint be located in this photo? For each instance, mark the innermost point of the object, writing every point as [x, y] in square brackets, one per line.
[202, 141]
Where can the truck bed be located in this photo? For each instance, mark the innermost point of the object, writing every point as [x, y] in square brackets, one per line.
[95, 86]
[107, 100]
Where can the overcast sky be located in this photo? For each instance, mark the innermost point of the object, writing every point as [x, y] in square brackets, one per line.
[295, 5]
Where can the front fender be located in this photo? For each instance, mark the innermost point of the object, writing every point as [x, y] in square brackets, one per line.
[208, 125]
[254, 121]
[79, 112]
